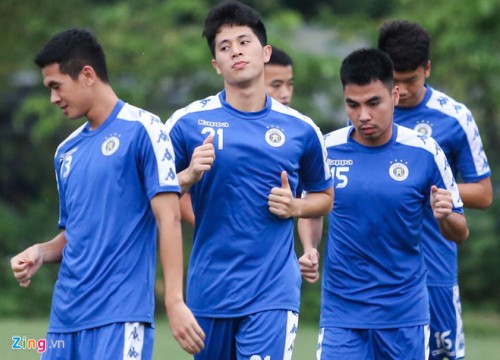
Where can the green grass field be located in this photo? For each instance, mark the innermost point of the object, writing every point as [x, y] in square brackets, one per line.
[482, 338]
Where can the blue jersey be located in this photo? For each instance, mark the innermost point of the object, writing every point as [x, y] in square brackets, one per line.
[452, 125]
[243, 258]
[374, 273]
[106, 178]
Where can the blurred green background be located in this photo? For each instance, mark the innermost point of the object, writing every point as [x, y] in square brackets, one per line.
[158, 60]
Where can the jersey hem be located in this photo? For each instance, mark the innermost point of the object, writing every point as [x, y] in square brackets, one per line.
[345, 325]
[93, 325]
[243, 313]
[441, 284]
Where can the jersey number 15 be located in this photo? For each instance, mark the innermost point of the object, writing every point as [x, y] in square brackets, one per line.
[338, 174]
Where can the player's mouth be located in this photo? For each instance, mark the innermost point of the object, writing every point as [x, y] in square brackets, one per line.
[240, 65]
[367, 130]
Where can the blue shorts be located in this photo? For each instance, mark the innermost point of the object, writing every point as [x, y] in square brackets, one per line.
[260, 336]
[111, 342]
[447, 332]
[410, 343]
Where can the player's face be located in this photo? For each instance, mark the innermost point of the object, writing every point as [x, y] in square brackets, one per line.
[239, 55]
[68, 94]
[370, 109]
[279, 82]
[411, 85]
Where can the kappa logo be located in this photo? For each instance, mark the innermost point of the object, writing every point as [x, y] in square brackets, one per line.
[275, 137]
[110, 145]
[398, 170]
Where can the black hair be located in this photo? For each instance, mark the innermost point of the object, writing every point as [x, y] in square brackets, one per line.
[279, 57]
[73, 49]
[232, 13]
[406, 43]
[363, 66]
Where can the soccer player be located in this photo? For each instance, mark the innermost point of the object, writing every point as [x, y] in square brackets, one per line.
[374, 297]
[117, 189]
[241, 153]
[452, 125]
[278, 75]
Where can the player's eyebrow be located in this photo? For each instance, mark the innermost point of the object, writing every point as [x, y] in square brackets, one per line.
[51, 84]
[239, 38]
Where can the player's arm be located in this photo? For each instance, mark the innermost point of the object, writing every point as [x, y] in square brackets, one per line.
[452, 225]
[478, 195]
[310, 232]
[26, 264]
[187, 213]
[201, 161]
[314, 204]
[182, 322]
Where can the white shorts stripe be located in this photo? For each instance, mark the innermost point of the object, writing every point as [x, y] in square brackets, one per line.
[292, 324]
[320, 343]
[460, 338]
[133, 340]
[427, 335]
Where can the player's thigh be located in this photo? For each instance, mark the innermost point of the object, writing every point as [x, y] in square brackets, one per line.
[220, 336]
[409, 343]
[267, 335]
[447, 334]
[114, 341]
[344, 344]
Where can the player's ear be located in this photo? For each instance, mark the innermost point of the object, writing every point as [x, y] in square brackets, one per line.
[427, 69]
[395, 95]
[267, 49]
[88, 75]
[216, 67]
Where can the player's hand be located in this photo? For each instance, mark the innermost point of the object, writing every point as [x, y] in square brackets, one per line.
[441, 202]
[281, 200]
[202, 159]
[185, 328]
[309, 265]
[25, 265]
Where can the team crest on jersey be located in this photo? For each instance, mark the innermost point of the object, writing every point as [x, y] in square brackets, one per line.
[424, 127]
[110, 145]
[398, 170]
[275, 137]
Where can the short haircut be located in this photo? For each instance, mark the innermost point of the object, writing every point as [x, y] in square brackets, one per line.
[406, 43]
[363, 66]
[73, 49]
[279, 57]
[232, 13]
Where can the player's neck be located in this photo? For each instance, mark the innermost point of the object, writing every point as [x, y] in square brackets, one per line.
[247, 99]
[104, 102]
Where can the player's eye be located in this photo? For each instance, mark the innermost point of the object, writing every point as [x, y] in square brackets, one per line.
[351, 104]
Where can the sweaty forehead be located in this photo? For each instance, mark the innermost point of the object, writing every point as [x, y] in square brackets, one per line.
[52, 76]
[51, 73]
[232, 32]
[282, 71]
[365, 93]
